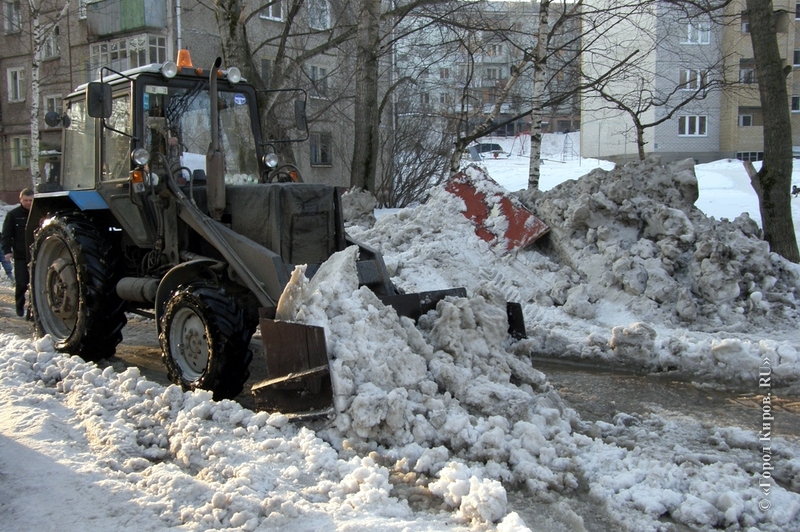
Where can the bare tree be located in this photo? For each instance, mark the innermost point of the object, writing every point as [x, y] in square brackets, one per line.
[773, 181]
[41, 35]
[649, 96]
[367, 118]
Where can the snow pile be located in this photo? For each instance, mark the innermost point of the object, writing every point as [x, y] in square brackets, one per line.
[631, 273]
[460, 410]
[636, 229]
[436, 394]
[198, 464]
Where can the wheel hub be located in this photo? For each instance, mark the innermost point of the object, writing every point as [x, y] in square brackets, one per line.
[191, 343]
[62, 289]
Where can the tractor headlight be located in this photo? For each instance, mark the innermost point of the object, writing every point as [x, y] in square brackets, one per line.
[271, 160]
[169, 69]
[234, 75]
[140, 156]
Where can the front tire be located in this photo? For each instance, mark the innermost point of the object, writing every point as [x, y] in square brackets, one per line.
[74, 270]
[205, 340]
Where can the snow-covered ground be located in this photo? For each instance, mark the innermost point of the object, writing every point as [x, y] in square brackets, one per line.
[447, 425]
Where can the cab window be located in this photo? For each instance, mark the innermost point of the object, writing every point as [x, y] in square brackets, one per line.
[79, 143]
[117, 142]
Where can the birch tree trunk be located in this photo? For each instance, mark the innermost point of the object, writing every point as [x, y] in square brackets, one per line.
[539, 64]
[38, 44]
[367, 116]
[39, 36]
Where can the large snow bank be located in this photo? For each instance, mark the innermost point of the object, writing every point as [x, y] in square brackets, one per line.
[631, 273]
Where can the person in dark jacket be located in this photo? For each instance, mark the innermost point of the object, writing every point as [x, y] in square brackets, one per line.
[13, 240]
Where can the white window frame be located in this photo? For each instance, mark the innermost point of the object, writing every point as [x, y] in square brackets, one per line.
[494, 50]
[693, 126]
[20, 152]
[318, 156]
[82, 9]
[52, 102]
[691, 79]
[697, 33]
[12, 16]
[15, 77]
[273, 11]
[319, 14]
[796, 58]
[795, 105]
[745, 120]
[493, 73]
[444, 73]
[747, 75]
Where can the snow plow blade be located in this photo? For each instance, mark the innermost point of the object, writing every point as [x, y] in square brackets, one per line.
[487, 204]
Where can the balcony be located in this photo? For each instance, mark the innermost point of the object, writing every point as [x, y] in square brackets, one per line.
[110, 17]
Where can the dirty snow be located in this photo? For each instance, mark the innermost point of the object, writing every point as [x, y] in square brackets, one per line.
[443, 425]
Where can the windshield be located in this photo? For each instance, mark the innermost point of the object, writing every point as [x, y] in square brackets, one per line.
[178, 124]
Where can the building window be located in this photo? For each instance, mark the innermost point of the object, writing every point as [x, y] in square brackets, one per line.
[750, 155]
[745, 22]
[444, 73]
[796, 61]
[797, 11]
[697, 33]
[747, 74]
[425, 98]
[796, 104]
[319, 79]
[52, 103]
[50, 44]
[82, 9]
[321, 149]
[12, 21]
[319, 17]
[19, 152]
[273, 10]
[158, 49]
[16, 84]
[692, 126]
[494, 49]
[692, 79]
[492, 73]
[745, 120]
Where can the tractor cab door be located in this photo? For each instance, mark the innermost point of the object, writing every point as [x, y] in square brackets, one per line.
[129, 202]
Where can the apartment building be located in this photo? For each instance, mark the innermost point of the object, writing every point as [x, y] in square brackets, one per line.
[458, 74]
[122, 34]
[694, 81]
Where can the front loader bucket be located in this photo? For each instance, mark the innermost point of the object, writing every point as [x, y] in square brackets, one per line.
[299, 380]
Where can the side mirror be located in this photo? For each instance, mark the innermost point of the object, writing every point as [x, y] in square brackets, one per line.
[98, 99]
[53, 119]
[300, 115]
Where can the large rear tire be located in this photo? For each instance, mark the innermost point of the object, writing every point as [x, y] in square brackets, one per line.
[205, 340]
[74, 270]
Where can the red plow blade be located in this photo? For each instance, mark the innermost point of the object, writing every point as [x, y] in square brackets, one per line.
[500, 219]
